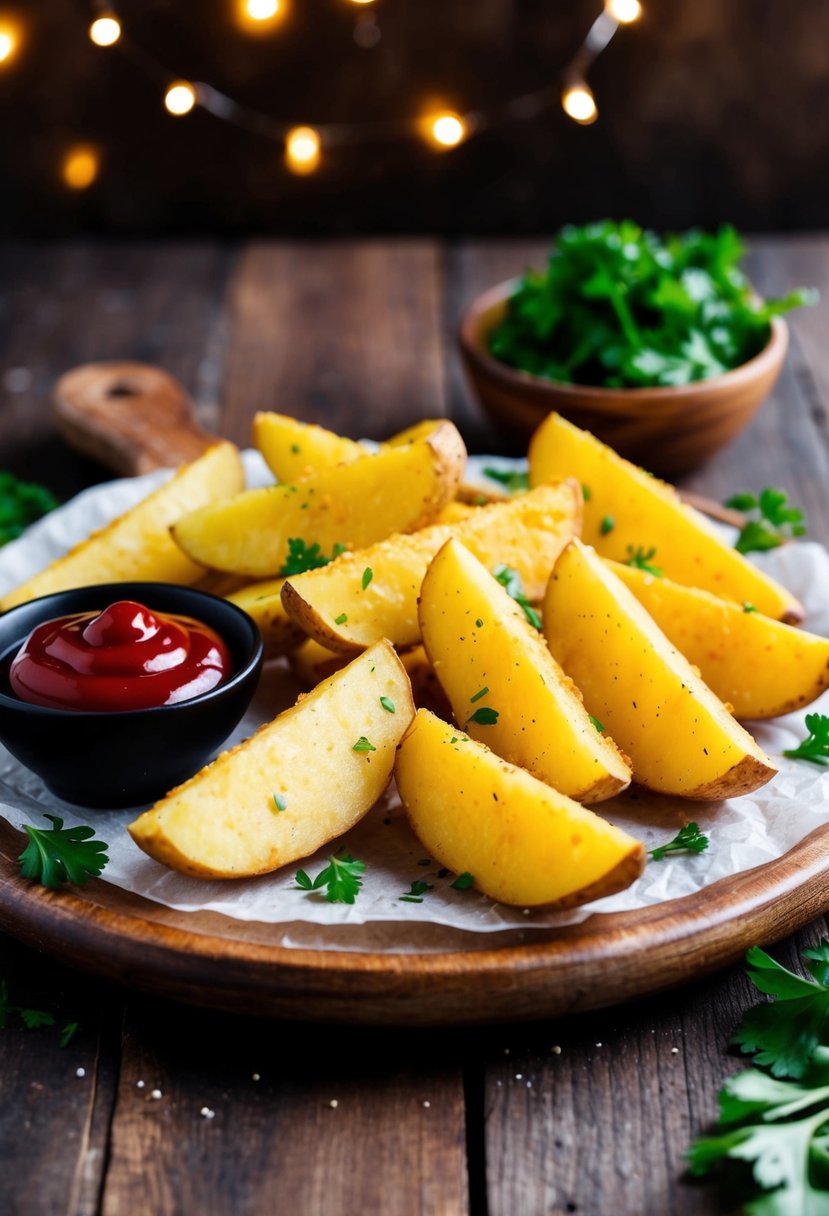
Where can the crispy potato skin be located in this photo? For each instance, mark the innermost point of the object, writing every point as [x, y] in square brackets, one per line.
[760, 667]
[479, 640]
[355, 504]
[137, 545]
[680, 737]
[527, 533]
[223, 822]
[525, 844]
[629, 508]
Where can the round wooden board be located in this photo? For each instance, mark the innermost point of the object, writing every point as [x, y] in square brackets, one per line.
[206, 959]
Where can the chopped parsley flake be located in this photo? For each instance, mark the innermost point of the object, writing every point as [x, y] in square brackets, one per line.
[596, 723]
[463, 882]
[363, 745]
[484, 716]
[480, 693]
[368, 575]
[607, 525]
[279, 802]
[341, 619]
[388, 705]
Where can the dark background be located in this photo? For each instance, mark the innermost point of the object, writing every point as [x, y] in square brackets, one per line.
[709, 110]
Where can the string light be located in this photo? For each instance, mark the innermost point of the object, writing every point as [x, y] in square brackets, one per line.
[9, 42]
[624, 11]
[302, 150]
[580, 104]
[180, 98]
[80, 166]
[105, 31]
[447, 129]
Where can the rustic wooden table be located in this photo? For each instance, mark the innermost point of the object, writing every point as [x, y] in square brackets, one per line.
[590, 1115]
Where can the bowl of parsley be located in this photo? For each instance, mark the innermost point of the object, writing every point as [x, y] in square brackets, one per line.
[658, 345]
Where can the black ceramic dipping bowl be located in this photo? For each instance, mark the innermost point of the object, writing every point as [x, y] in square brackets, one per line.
[97, 759]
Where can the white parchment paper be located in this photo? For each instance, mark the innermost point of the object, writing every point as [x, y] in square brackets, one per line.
[745, 832]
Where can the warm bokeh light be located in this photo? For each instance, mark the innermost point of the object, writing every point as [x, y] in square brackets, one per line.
[9, 42]
[180, 98]
[302, 150]
[80, 166]
[579, 104]
[258, 16]
[104, 31]
[447, 130]
[624, 11]
[261, 10]
[362, 1]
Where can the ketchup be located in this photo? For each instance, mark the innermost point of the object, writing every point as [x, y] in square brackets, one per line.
[125, 657]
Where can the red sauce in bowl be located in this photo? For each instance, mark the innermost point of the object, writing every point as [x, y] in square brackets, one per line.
[126, 657]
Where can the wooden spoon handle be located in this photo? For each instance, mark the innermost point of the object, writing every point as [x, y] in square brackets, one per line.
[131, 417]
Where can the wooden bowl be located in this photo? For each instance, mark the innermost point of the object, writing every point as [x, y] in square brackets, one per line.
[668, 430]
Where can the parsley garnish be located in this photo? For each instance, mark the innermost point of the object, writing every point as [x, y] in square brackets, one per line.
[640, 559]
[68, 1033]
[775, 1126]
[341, 619]
[596, 723]
[479, 623]
[463, 882]
[295, 449]
[57, 854]
[302, 556]
[368, 575]
[480, 693]
[280, 802]
[510, 580]
[514, 482]
[388, 705]
[21, 503]
[341, 878]
[415, 894]
[687, 840]
[586, 492]
[32, 1019]
[771, 521]
[815, 746]
[747, 607]
[363, 745]
[607, 525]
[483, 716]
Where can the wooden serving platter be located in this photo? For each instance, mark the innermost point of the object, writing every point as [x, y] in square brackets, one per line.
[211, 960]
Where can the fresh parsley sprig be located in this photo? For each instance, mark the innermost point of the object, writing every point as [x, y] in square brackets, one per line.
[815, 747]
[687, 840]
[21, 503]
[58, 854]
[770, 522]
[340, 878]
[302, 556]
[641, 559]
[510, 580]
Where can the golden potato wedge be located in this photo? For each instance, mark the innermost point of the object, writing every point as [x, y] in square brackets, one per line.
[680, 737]
[355, 504]
[138, 545]
[226, 822]
[493, 663]
[626, 509]
[294, 449]
[332, 605]
[311, 662]
[523, 843]
[761, 667]
[263, 602]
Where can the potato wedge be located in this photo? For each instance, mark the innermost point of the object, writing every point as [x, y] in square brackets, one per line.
[523, 843]
[294, 449]
[138, 545]
[311, 663]
[761, 667]
[263, 602]
[224, 823]
[355, 504]
[333, 607]
[488, 657]
[680, 737]
[627, 509]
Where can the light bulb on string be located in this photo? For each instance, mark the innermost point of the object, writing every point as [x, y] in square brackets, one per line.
[579, 103]
[624, 11]
[105, 30]
[302, 150]
[80, 166]
[446, 129]
[180, 98]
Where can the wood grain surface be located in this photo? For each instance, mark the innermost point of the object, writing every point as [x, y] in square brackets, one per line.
[600, 1130]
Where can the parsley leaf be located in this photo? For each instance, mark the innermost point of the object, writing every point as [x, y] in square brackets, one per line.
[480, 693]
[341, 879]
[640, 559]
[57, 854]
[510, 580]
[302, 556]
[280, 802]
[687, 840]
[597, 724]
[21, 503]
[33, 1019]
[607, 525]
[463, 882]
[815, 747]
[484, 716]
[512, 481]
[416, 892]
[388, 705]
[771, 520]
[341, 619]
[784, 1035]
[368, 575]
[363, 745]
